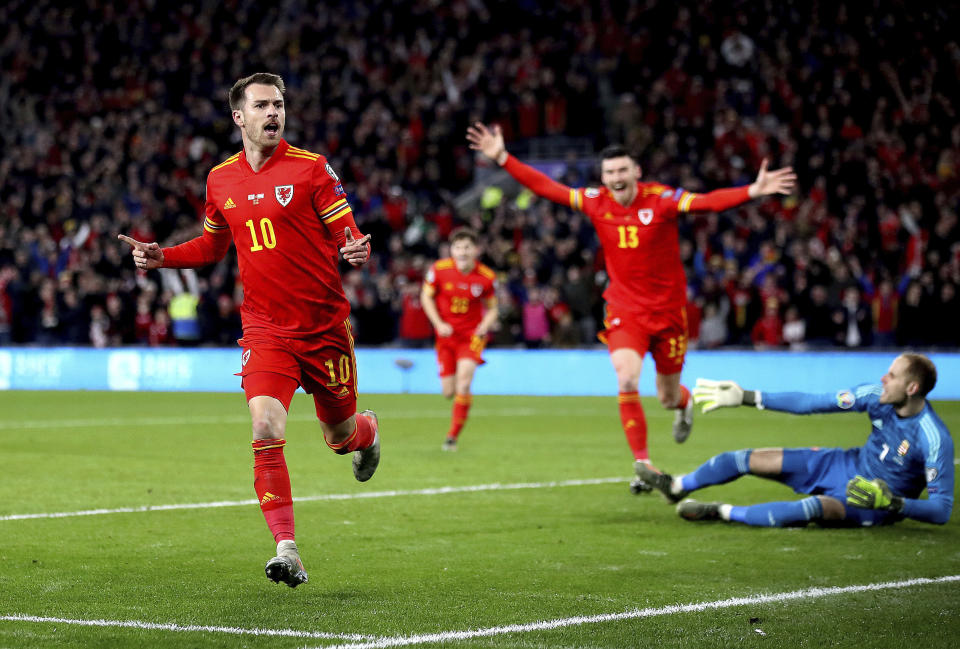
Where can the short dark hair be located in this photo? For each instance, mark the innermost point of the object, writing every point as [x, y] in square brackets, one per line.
[922, 370]
[464, 233]
[616, 151]
[236, 93]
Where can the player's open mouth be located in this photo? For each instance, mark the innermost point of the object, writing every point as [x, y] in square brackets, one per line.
[272, 129]
[619, 187]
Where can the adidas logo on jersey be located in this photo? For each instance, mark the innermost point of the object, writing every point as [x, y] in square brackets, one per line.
[229, 204]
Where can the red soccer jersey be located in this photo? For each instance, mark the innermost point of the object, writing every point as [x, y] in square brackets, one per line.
[640, 245]
[285, 220]
[460, 296]
[640, 241]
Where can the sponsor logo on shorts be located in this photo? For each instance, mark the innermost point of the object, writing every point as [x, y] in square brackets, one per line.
[845, 399]
[245, 357]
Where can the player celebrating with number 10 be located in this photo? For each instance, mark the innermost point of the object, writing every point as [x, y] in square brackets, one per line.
[637, 226]
[287, 214]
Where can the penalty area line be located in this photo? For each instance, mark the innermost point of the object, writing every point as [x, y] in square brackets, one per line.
[432, 491]
[181, 628]
[547, 625]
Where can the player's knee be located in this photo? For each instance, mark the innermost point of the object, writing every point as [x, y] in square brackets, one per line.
[627, 382]
[266, 428]
[447, 392]
[832, 509]
[668, 398]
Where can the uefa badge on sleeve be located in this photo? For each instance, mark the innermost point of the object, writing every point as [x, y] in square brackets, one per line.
[284, 194]
[845, 399]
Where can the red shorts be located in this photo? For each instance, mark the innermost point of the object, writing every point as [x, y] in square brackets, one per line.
[663, 334]
[457, 346]
[325, 366]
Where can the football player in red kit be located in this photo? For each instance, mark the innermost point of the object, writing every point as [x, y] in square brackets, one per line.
[287, 214]
[459, 298]
[636, 223]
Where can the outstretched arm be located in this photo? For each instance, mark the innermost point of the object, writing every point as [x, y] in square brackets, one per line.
[490, 143]
[723, 394]
[779, 181]
[208, 248]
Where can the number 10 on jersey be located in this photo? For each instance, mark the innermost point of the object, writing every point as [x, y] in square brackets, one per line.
[266, 230]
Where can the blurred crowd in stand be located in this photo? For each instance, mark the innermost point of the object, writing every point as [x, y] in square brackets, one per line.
[114, 114]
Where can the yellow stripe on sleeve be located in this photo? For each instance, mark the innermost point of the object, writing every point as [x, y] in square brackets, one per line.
[332, 207]
[228, 161]
[340, 214]
[294, 149]
[213, 227]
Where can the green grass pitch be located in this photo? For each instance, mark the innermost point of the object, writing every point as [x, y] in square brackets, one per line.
[396, 566]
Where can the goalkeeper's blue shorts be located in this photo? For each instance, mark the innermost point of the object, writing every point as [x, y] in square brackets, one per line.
[826, 472]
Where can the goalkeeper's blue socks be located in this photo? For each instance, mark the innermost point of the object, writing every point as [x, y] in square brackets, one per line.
[778, 514]
[718, 470]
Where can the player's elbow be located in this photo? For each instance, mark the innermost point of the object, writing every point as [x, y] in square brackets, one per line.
[942, 517]
[941, 514]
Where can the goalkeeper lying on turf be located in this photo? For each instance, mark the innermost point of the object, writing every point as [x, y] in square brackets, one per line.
[909, 449]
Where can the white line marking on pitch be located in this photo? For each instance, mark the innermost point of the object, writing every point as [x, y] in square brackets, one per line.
[433, 491]
[203, 420]
[807, 593]
[153, 626]
[134, 422]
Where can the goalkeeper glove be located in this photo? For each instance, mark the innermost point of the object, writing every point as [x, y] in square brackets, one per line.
[872, 494]
[717, 394]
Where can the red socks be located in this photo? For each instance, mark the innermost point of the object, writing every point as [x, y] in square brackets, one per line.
[684, 397]
[361, 438]
[461, 408]
[634, 424]
[272, 483]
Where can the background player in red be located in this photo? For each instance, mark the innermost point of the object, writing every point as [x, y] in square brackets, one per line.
[459, 298]
[646, 296]
[287, 214]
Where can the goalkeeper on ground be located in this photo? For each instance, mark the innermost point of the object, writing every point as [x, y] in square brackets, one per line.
[879, 483]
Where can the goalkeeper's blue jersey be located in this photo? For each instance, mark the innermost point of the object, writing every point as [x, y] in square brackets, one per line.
[909, 453]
